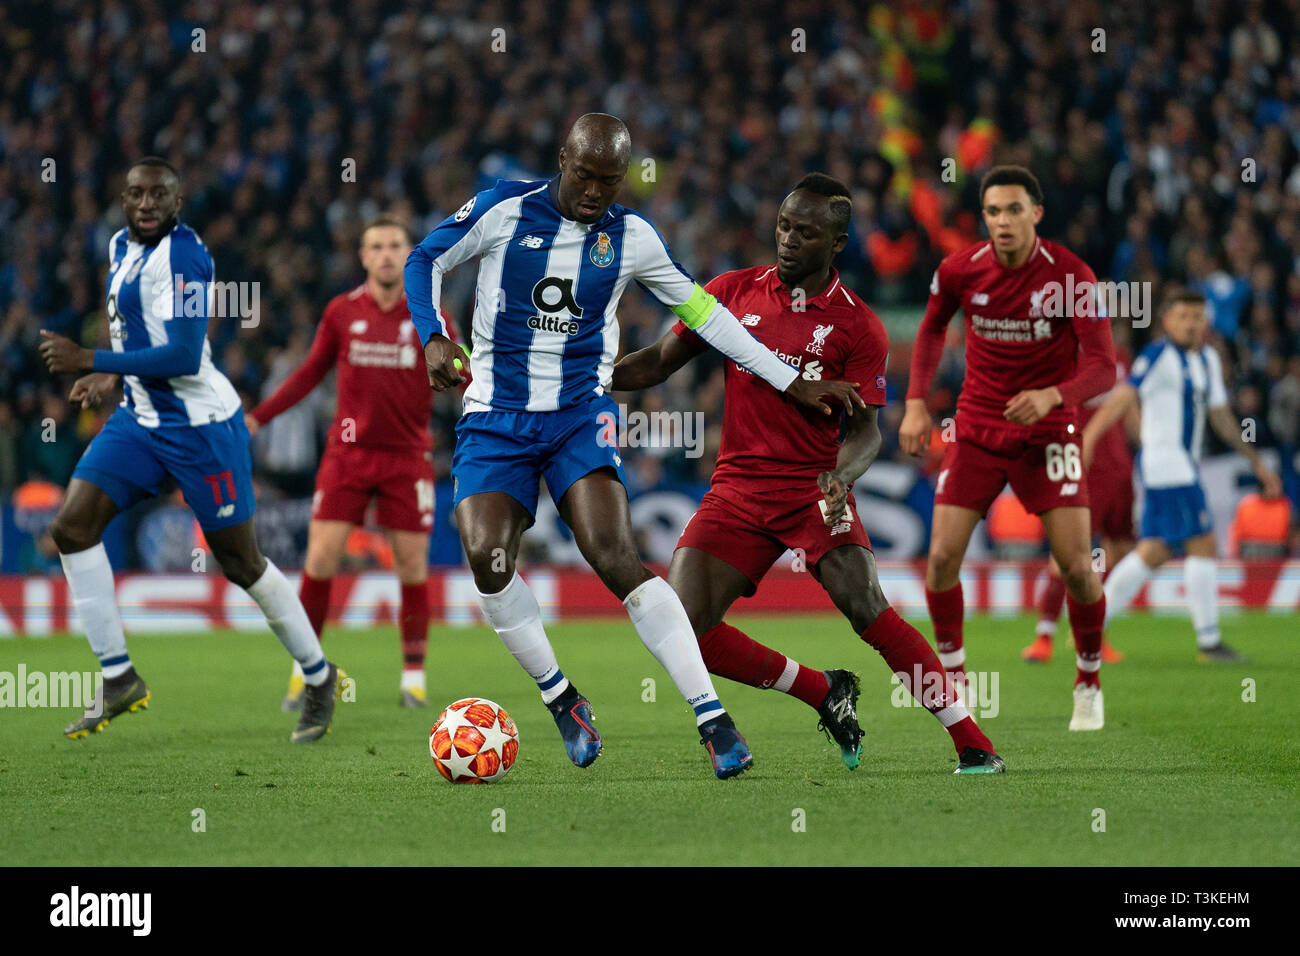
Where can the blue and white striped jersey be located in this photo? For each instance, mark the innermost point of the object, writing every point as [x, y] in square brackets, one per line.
[545, 331]
[1176, 387]
[159, 299]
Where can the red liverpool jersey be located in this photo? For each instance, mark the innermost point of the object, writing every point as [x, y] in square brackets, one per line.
[384, 398]
[768, 442]
[1030, 327]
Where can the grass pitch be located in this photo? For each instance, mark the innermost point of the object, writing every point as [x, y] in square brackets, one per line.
[1186, 771]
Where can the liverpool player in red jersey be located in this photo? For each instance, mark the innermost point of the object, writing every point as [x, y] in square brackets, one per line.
[379, 443]
[1110, 493]
[1037, 346]
[784, 476]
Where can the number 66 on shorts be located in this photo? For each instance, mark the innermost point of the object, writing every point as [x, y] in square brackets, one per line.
[1043, 467]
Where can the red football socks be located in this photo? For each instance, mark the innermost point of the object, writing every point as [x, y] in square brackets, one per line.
[414, 624]
[314, 593]
[946, 612]
[732, 654]
[1086, 622]
[907, 653]
[1051, 598]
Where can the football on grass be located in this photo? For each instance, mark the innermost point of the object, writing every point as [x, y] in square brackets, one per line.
[474, 741]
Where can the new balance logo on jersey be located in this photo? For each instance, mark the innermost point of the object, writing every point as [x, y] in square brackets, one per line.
[979, 298]
[751, 319]
[225, 511]
[531, 242]
[358, 327]
[1070, 488]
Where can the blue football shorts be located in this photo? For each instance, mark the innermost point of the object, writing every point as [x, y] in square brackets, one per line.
[509, 451]
[1175, 514]
[210, 463]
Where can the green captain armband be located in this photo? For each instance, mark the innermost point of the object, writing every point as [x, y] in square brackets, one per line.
[695, 310]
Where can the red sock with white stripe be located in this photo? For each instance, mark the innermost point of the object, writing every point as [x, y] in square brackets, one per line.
[1050, 600]
[414, 626]
[730, 653]
[946, 612]
[908, 655]
[1086, 622]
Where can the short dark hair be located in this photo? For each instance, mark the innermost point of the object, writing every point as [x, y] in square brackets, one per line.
[1012, 176]
[1181, 297]
[396, 222]
[837, 195]
[157, 161]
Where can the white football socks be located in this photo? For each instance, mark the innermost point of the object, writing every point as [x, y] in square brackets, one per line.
[1124, 582]
[90, 579]
[286, 617]
[658, 616]
[513, 612]
[1202, 598]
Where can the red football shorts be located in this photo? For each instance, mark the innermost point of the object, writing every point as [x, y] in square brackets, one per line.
[1043, 463]
[751, 530]
[351, 475]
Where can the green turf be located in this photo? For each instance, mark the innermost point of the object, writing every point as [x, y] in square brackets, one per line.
[1186, 772]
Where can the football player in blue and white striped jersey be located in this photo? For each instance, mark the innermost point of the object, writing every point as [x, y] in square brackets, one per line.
[180, 417]
[555, 258]
[1178, 380]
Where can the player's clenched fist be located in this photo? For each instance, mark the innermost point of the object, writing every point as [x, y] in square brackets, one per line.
[443, 362]
[61, 354]
[914, 432]
[809, 394]
[836, 495]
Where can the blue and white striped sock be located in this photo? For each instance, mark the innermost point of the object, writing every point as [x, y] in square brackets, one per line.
[287, 618]
[90, 579]
[658, 616]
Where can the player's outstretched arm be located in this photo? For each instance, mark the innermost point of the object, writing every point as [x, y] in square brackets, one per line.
[859, 449]
[321, 358]
[1121, 401]
[652, 365]
[1225, 425]
[182, 354]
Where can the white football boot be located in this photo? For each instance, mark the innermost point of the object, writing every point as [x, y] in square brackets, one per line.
[1089, 709]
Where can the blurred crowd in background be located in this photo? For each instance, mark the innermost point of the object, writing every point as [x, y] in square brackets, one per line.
[1166, 138]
